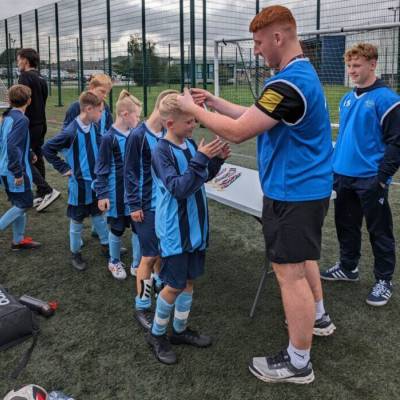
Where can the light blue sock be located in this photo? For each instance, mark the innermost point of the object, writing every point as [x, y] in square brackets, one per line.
[136, 253]
[100, 226]
[183, 304]
[114, 243]
[161, 317]
[75, 232]
[157, 280]
[19, 228]
[10, 216]
[143, 299]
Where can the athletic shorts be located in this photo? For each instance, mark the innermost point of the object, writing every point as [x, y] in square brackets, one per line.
[119, 224]
[21, 199]
[147, 235]
[178, 269]
[292, 230]
[79, 213]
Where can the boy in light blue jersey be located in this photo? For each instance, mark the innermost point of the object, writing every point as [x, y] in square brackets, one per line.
[367, 155]
[79, 143]
[109, 183]
[15, 171]
[180, 169]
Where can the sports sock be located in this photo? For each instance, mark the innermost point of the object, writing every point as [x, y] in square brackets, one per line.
[183, 304]
[75, 232]
[115, 247]
[19, 228]
[319, 309]
[157, 280]
[298, 358]
[143, 299]
[100, 226]
[10, 216]
[136, 252]
[161, 317]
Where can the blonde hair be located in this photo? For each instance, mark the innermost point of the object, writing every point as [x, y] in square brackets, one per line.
[366, 50]
[162, 95]
[88, 99]
[98, 80]
[127, 102]
[169, 106]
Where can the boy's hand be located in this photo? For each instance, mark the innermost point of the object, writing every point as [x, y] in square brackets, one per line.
[225, 151]
[19, 181]
[103, 205]
[201, 96]
[137, 216]
[211, 149]
[34, 158]
[185, 101]
[68, 173]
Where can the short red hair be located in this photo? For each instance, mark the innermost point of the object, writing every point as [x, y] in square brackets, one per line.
[273, 15]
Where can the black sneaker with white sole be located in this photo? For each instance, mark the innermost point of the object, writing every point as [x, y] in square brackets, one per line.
[161, 348]
[279, 369]
[77, 262]
[144, 318]
[190, 337]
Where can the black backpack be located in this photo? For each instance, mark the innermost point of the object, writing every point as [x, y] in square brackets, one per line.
[17, 324]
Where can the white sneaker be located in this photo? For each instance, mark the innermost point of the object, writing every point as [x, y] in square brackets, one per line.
[48, 199]
[37, 201]
[117, 270]
[134, 269]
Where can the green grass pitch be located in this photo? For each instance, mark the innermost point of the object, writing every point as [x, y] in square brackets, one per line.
[92, 348]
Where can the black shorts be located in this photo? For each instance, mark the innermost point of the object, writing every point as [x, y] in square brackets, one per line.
[147, 235]
[118, 224]
[177, 270]
[292, 230]
[22, 200]
[79, 213]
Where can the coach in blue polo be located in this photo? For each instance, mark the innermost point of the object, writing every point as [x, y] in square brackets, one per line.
[294, 152]
[367, 155]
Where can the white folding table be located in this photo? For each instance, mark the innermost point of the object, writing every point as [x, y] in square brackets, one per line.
[245, 194]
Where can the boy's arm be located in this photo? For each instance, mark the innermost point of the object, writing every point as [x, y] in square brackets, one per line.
[214, 166]
[15, 141]
[133, 154]
[180, 186]
[62, 140]
[102, 168]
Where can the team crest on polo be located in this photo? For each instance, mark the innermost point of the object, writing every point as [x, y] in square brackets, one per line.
[369, 103]
[347, 103]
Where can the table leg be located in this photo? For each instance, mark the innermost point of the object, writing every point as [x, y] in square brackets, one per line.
[260, 287]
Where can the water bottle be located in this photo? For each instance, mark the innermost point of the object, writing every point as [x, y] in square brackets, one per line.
[57, 395]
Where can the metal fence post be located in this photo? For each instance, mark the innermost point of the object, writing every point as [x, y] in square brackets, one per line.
[8, 54]
[78, 66]
[49, 69]
[192, 44]
[144, 57]
[109, 50]
[21, 42]
[204, 44]
[37, 34]
[182, 44]
[58, 57]
[82, 78]
[257, 89]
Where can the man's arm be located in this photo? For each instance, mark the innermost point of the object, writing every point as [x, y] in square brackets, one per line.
[391, 136]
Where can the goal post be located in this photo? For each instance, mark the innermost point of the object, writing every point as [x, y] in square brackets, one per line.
[239, 78]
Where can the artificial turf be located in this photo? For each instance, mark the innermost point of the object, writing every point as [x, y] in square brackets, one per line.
[93, 349]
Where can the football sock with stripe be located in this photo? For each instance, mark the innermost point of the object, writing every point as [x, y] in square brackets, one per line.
[161, 317]
[75, 232]
[183, 305]
[143, 299]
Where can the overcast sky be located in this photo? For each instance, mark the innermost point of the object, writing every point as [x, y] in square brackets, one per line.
[12, 7]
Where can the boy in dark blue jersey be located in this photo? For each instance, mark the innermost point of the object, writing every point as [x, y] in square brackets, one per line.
[100, 85]
[366, 156]
[141, 199]
[79, 143]
[109, 183]
[15, 171]
[180, 171]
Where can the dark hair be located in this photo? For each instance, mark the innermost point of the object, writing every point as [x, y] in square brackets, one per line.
[88, 99]
[19, 95]
[31, 55]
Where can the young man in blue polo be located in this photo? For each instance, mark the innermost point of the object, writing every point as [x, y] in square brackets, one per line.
[367, 155]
